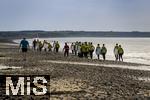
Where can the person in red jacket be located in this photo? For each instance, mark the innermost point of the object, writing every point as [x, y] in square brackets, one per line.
[66, 50]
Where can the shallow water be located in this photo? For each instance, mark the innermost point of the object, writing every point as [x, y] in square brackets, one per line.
[137, 50]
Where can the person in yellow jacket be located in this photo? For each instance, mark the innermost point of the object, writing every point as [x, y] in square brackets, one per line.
[91, 50]
[120, 52]
[57, 46]
[81, 50]
[85, 50]
[40, 46]
[49, 47]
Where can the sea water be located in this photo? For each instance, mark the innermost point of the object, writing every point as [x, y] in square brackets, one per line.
[136, 50]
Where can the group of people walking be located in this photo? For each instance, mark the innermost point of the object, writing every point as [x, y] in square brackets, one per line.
[80, 49]
[45, 45]
[118, 52]
[83, 49]
[87, 49]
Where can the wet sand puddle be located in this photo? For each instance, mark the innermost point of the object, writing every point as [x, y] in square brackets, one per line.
[147, 68]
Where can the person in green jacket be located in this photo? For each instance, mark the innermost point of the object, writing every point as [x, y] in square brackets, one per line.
[86, 50]
[57, 46]
[49, 47]
[40, 46]
[120, 52]
[81, 50]
[103, 52]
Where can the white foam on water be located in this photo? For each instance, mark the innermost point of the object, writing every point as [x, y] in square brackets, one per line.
[147, 68]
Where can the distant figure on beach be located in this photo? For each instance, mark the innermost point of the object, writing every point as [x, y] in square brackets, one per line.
[40, 46]
[34, 43]
[85, 50]
[57, 46]
[54, 46]
[91, 50]
[76, 48]
[120, 52]
[49, 47]
[72, 48]
[24, 45]
[103, 52]
[45, 45]
[116, 52]
[80, 54]
[66, 50]
[98, 51]
[81, 50]
[37, 45]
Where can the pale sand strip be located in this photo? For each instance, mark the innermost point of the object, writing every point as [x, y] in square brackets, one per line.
[7, 67]
[146, 68]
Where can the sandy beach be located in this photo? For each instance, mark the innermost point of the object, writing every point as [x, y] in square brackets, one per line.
[78, 78]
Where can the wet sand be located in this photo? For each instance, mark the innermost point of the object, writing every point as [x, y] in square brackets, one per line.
[78, 81]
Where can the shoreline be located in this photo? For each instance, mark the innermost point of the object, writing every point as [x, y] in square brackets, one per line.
[138, 56]
[78, 81]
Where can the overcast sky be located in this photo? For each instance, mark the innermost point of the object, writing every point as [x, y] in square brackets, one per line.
[78, 15]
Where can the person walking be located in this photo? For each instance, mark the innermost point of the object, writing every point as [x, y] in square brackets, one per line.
[54, 46]
[40, 46]
[76, 48]
[98, 51]
[86, 50]
[120, 52]
[45, 45]
[49, 47]
[24, 45]
[116, 52]
[82, 50]
[103, 52]
[79, 50]
[72, 48]
[91, 50]
[66, 50]
[34, 43]
[57, 46]
[37, 45]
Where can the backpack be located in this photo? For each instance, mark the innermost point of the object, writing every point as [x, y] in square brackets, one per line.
[57, 45]
[104, 50]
